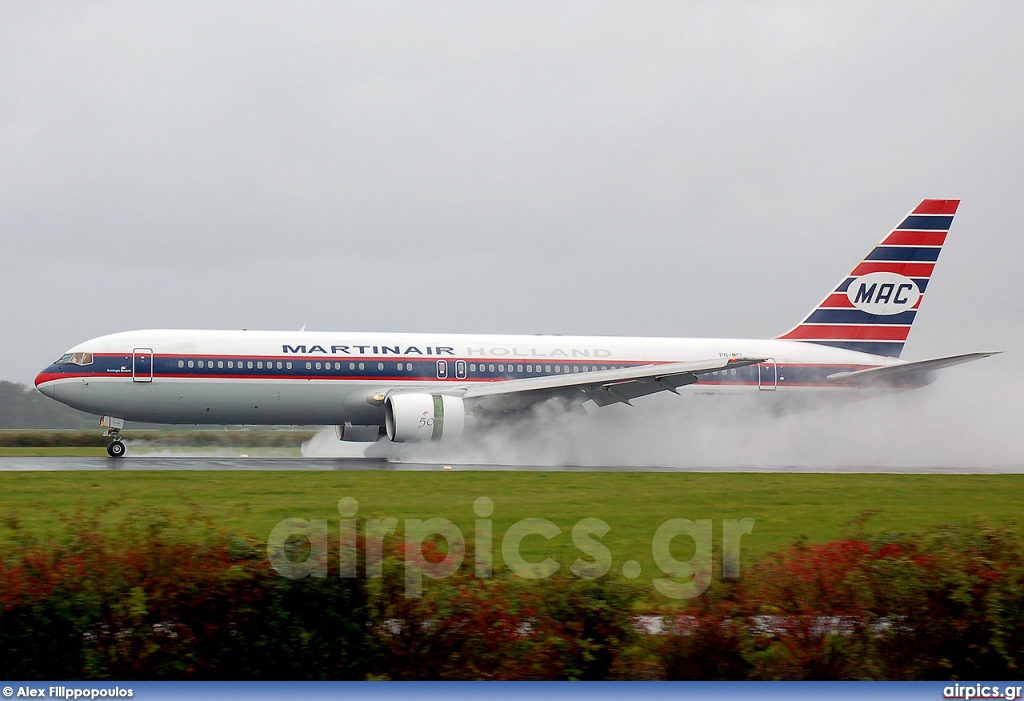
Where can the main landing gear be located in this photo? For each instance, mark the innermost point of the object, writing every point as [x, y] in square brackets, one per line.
[115, 448]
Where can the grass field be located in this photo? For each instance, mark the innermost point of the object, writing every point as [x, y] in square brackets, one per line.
[784, 506]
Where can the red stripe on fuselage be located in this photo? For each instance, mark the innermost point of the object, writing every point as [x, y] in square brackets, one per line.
[44, 377]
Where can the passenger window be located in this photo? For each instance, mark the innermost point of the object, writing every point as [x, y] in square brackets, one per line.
[309, 365]
[288, 365]
[491, 367]
[181, 363]
[380, 366]
[501, 368]
[191, 364]
[519, 368]
[249, 365]
[318, 366]
[362, 366]
[547, 368]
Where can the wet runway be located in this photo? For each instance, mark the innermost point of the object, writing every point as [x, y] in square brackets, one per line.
[16, 464]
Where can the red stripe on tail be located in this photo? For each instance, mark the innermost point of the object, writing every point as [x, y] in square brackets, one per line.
[902, 237]
[937, 207]
[908, 269]
[827, 332]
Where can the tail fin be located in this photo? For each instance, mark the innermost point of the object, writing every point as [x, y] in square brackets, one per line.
[871, 309]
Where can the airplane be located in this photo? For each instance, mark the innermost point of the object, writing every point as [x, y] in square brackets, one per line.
[421, 387]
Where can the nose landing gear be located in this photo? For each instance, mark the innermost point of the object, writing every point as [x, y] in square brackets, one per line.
[115, 448]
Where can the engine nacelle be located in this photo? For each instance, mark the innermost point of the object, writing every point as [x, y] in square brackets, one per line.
[416, 418]
[357, 434]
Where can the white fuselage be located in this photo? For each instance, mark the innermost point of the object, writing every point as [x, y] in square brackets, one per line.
[312, 378]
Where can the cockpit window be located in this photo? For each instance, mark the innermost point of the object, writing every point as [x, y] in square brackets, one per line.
[76, 359]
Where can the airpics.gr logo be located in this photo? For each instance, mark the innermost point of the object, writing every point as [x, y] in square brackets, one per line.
[883, 293]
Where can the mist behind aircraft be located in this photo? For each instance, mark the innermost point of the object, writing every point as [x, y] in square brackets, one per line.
[970, 417]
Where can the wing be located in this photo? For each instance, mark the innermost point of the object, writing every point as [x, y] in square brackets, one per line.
[603, 387]
[912, 374]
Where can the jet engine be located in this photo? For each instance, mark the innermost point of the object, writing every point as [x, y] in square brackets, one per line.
[416, 418]
[357, 434]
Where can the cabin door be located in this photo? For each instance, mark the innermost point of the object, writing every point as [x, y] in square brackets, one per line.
[767, 375]
[142, 365]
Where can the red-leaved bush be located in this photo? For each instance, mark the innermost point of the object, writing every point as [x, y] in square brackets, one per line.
[157, 597]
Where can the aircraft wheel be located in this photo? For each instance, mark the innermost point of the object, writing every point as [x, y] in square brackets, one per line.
[115, 449]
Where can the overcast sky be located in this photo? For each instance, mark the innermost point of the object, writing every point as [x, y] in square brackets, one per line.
[667, 169]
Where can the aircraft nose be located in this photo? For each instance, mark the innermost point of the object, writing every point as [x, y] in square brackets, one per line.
[44, 384]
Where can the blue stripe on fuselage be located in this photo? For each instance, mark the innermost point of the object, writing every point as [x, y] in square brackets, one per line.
[890, 349]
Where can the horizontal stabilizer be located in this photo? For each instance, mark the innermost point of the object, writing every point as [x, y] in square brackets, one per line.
[904, 374]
